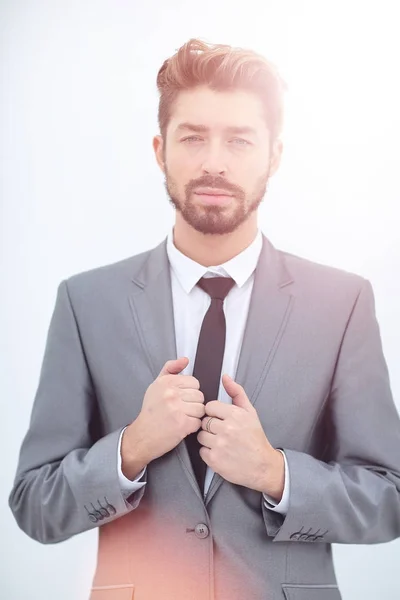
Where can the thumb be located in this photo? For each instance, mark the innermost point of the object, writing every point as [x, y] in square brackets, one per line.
[236, 392]
[174, 367]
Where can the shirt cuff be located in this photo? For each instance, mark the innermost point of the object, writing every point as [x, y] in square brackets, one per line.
[282, 506]
[128, 486]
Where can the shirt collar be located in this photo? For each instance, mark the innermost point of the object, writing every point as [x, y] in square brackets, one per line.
[188, 272]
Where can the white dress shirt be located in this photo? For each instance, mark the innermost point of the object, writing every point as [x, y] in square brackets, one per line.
[190, 304]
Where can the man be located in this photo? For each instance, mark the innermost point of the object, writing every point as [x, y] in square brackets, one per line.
[221, 410]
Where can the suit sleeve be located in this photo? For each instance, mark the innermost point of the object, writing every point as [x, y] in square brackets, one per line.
[352, 496]
[67, 478]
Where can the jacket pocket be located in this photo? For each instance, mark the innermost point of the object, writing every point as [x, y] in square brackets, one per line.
[294, 591]
[113, 592]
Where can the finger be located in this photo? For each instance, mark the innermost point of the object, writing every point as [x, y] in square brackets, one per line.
[216, 408]
[175, 366]
[206, 439]
[194, 424]
[185, 381]
[205, 454]
[194, 409]
[191, 395]
[215, 426]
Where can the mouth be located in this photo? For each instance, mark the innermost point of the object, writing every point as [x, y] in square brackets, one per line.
[214, 198]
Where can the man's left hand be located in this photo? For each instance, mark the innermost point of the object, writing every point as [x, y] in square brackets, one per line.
[238, 449]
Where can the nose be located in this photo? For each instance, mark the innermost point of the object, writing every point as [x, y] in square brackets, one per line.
[211, 169]
[214, 162]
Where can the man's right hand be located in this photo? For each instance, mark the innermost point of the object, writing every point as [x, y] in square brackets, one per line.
[172, 408]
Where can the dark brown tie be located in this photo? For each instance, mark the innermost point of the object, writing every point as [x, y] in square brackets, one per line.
[209, 357]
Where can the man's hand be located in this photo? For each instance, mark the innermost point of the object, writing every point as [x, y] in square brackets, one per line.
[172, 409]
[238, 449]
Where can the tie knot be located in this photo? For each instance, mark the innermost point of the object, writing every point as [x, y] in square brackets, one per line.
[216, 287]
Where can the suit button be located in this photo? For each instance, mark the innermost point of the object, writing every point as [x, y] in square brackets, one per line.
[93, 517]
[201, 531]
[104, 512]
[111, 509]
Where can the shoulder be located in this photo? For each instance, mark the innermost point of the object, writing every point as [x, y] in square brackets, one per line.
[106, 280]
[311, 278]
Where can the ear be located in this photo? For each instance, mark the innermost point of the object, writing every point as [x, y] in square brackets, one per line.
[276, 155]
[158, 146]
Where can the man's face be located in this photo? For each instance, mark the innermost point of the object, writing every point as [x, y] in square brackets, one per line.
[216, 140]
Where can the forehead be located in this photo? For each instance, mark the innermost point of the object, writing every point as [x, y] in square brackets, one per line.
[217, 110]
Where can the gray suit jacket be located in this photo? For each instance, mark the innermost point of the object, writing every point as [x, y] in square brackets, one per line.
[312, 365]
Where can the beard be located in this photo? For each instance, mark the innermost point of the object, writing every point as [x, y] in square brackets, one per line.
[213, 219]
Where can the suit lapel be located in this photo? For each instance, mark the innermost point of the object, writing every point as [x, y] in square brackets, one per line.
[152, 310]
[269, 311]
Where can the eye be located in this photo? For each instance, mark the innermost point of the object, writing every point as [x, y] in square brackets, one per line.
[241, 140]
[238, 141]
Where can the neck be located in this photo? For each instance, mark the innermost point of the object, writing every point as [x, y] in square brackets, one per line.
[207, 249]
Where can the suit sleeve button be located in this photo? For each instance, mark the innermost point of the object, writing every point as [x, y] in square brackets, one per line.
[93, 517]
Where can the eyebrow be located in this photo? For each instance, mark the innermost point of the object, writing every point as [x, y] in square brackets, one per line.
[204, 129]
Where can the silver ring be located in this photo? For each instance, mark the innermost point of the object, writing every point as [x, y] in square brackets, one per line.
[208, 424]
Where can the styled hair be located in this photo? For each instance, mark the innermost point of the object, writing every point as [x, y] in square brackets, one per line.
[221, 68]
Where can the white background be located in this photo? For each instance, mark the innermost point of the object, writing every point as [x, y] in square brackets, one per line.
[80, 188]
